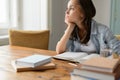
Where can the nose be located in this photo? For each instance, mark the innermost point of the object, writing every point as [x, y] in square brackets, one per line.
[67, 11]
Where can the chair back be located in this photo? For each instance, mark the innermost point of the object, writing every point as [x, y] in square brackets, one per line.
[33, 39]
[118, 36]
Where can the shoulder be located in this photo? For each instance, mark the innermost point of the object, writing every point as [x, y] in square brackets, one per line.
[97, 27]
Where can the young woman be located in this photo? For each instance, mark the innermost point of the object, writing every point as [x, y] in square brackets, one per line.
[84, 34]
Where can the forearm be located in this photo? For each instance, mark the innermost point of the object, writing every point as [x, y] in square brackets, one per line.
[61, 45]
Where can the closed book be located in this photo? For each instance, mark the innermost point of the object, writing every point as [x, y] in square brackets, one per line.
[99, 75]
[33, 60]
[101, 64]
[79, 77]
[19, 68]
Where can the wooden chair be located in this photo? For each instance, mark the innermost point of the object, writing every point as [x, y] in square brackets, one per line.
[33, 39]
[118, 36]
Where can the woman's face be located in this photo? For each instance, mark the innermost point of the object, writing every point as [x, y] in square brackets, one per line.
[74, 12]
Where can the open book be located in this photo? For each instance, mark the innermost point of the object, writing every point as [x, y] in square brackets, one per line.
[75, 56]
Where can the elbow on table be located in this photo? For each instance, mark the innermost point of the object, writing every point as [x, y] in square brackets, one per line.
[60, 50]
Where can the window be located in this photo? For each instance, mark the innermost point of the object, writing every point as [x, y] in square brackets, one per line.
[4, 13]
[44, 14]
[8, 15]
[23, 14]
[35, 14]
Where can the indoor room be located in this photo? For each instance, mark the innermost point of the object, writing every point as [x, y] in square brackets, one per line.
[35, 27]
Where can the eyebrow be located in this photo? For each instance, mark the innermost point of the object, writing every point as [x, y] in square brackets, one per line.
[72, 6]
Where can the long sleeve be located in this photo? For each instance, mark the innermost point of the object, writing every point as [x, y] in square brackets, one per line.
[112, 41]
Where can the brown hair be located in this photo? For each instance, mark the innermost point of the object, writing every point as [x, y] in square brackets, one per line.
[89, 12]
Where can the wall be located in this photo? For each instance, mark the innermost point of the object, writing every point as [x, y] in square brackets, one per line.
[57, 22]
[4, 37]
[4, 40]
[103, 11]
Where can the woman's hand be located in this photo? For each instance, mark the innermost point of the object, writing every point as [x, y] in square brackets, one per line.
[70, 24]
[61, 45]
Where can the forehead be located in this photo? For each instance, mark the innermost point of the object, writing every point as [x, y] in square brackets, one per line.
[73, 3]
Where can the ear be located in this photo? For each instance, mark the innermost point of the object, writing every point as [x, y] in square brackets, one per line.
[82, 16]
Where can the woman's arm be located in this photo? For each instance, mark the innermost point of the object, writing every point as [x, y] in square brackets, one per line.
[113, 42]
[61, 45]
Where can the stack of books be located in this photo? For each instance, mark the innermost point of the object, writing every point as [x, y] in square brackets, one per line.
[99, 68]
[33, 62]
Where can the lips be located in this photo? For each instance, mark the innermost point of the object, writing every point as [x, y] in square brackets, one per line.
[66, 16]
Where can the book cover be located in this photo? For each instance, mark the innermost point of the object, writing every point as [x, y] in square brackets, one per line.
[79, 77]
[19, 68]
[75, 56]
[33, 60]
[99, 75]
[101, 64]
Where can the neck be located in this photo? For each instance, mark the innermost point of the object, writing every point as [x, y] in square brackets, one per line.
[81, 26]
[82, 31]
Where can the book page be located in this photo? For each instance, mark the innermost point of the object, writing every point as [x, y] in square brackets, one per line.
[88, 57]
[71, 56]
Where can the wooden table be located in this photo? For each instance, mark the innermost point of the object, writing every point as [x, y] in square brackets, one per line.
[9, 53]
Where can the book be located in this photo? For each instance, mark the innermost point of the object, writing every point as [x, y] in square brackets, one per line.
[92, 74]
[79, 77]
[101, 64]
[33, 60]
[75, 56]
[19, 68]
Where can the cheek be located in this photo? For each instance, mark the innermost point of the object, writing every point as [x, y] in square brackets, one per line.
[69, 17]
[75, 16]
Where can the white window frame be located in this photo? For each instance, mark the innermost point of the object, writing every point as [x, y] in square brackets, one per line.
[44, 17]
[6, 24]
[15, 14]
[12, 21]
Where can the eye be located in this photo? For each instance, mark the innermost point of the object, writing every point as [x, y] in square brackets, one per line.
[66, 9]
[71, 8]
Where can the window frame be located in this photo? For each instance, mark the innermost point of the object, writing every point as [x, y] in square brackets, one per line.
[7, 23]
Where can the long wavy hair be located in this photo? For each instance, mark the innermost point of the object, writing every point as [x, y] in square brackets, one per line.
[89, 11]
